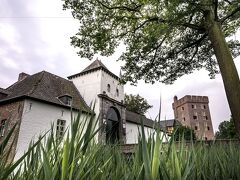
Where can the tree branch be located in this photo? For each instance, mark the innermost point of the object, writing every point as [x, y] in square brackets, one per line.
[216, 9]
[189, 25]
[230, 3]
[230, 15]
[195, 52]
[135, 9]
[145, 22]
[192, 44]
[193, 26]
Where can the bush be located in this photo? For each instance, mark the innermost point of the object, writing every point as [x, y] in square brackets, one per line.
[78, 156]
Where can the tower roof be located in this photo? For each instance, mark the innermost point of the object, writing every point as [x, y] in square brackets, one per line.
[94, 66]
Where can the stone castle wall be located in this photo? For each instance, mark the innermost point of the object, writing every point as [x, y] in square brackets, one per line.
[12, 113]
[194, 112]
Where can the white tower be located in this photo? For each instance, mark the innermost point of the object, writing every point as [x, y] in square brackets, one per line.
[98, 85]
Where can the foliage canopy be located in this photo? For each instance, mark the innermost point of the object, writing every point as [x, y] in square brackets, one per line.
[164, 39]
[136, 103]
[226, 130]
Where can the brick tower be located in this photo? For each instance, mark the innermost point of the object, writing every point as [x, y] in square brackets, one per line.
[193, 111]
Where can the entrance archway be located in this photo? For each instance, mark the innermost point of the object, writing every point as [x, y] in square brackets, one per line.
[112, 128]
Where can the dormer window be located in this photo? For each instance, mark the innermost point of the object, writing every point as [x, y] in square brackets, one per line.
[66, 99]
[108, 88]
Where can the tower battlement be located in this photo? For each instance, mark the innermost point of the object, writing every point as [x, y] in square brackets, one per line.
[193, 111]
[189, 99]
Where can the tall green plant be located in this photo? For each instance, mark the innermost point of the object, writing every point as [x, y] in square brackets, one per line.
[79, 156]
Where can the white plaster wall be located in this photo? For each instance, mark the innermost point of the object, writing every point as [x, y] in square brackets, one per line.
[89, 85]
[94, 83]
[132, 133]
[114, 84]
[38, 120]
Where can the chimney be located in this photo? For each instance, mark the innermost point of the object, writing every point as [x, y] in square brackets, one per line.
[175, 98]
[22, 76]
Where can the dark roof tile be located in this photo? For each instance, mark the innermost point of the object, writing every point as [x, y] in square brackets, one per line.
[136, 118]
[47, 87]
[4, 91]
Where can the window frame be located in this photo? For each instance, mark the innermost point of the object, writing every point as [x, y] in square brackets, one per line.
[60, 128]
[108, 88]
[117, 92]
[3, 126]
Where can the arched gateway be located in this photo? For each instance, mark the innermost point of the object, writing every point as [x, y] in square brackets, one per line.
[112, 126]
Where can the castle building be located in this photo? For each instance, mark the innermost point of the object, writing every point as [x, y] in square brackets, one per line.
[193, 112]
[37, 101]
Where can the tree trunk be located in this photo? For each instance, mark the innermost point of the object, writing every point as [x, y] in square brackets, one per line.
[227, 67]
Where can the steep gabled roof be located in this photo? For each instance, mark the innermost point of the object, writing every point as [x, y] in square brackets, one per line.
[94, 66]
[46, 87]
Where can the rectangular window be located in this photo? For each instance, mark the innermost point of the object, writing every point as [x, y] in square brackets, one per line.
[194, 106]
[208, 128]
[196, 128]
[195, 117]
[182, 108]
[3, 127]
[60, 128]
[205, 118]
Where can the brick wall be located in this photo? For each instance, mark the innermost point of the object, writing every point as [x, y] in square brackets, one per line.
[12, 112]
[194, 112]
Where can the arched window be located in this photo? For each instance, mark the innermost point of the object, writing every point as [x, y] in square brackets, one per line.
[117, 92]
[108, 88]
[112, 126]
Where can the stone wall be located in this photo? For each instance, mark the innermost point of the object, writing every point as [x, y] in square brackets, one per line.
[12, 112]
[105, 104]
[194, 112]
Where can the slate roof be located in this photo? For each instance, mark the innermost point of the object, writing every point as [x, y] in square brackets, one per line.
[46, 87]
[94, 66]
[136, 118]
[4, 91]
[169, 123]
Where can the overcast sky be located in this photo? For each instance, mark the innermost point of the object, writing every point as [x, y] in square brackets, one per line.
[35, 36]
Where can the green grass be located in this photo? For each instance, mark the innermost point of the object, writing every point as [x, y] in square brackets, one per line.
[78, 156]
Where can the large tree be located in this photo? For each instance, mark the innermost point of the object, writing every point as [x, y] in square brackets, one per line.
[164, 39]
[226, 130]
[136, 103]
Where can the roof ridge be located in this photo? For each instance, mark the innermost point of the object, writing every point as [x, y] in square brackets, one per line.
[95, 64]
[37, 83]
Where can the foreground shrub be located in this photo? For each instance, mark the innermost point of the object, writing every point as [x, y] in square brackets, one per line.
[78, 156]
